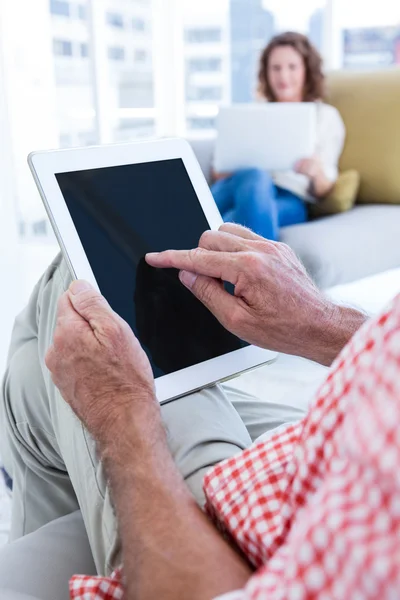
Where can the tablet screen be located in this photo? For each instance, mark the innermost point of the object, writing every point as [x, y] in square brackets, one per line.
[120, 214]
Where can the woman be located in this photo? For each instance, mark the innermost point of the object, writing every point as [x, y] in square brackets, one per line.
[290, 71]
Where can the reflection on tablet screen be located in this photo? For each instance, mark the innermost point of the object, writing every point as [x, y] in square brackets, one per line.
[120, 214]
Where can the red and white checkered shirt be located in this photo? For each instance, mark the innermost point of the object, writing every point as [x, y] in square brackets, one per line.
[316, 508]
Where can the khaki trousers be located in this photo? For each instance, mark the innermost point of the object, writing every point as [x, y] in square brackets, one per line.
[52, 458]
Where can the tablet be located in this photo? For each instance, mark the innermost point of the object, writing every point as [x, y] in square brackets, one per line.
[109, 206]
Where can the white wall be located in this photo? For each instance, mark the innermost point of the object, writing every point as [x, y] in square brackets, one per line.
[28, 85]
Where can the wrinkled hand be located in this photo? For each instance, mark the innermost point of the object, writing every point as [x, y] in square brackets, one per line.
[311, 167]
[275, 306]
[96, 362]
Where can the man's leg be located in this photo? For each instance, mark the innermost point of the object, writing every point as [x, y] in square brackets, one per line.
[261, 416]
[52, 459]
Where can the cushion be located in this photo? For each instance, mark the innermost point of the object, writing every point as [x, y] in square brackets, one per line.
[341, 198]
[370, 107]
[348, 246]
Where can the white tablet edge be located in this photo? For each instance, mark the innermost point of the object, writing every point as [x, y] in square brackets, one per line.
[44, 166]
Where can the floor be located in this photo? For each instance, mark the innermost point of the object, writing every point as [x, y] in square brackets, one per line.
[288, 378]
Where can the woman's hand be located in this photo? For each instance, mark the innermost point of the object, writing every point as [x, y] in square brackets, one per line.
[215, 176]
[98, 364]
[314, 170]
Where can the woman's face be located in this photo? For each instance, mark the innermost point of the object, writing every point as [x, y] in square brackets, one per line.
[286, 74]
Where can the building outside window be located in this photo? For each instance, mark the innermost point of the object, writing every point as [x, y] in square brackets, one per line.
[62, 47]
[203, 36]
[208, 64]
[116, 53]
[138, 24]
[213, 93]
[82, 12]
[205, 123]
[371, 47]
[60, 8]
[140, 56]
[84, 50]
[115, 20]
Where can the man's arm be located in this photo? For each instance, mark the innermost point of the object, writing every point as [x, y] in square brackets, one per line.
[276, 305]
[170, 548]
[328, 335]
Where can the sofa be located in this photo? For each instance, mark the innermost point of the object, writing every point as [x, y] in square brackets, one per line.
[365, 240]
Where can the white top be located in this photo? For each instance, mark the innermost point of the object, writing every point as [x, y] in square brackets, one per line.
[331, 134]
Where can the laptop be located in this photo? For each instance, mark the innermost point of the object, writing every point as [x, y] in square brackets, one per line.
[270, 136]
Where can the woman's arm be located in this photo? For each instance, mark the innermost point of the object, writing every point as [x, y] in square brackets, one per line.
[313, 168]
[322, 168]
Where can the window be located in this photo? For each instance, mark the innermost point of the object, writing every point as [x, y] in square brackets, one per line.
[140, 56]
[60, 8]
[205, 93]
[62, 47]
[82, 12]
[201, 123]
[371, 47]
[87, 138]
[203, 36]
[204, 64]
[129, 129]
[116, 53]
[223, 42]
[250, 26]
[135, 91]
[84, 50]
[65, 140]
[368, 36]
[115, 20]
[138, 24]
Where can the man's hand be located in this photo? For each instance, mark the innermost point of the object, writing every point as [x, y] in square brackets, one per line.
[275, 306]
[97, 363]
[170, 548]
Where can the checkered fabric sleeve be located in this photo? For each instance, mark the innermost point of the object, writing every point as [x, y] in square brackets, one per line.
[83, 587]
[316, 508]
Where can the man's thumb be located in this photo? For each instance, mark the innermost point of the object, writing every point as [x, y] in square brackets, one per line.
[87, 301]
[79, 286]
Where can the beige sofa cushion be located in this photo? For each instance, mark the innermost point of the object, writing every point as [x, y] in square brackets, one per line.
[370, 106]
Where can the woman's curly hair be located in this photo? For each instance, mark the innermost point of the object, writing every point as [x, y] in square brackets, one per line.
[314, 81]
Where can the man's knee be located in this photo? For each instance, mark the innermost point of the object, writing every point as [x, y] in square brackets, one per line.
[24, 412]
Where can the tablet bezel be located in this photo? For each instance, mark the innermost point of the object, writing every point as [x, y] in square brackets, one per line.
[44, 166]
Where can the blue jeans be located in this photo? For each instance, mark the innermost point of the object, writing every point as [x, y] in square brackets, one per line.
[250, 198]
